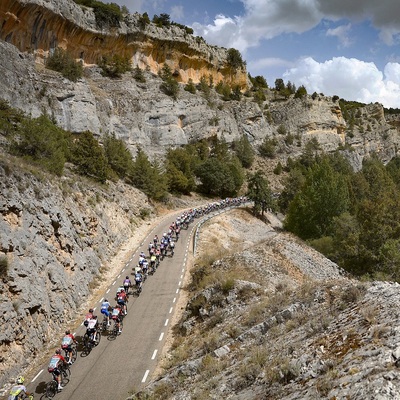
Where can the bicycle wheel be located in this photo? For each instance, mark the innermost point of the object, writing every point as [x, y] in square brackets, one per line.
[51, 389]
[65, 376]
[74, 354]
[97, 338]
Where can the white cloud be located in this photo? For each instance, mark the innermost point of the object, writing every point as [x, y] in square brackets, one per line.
[268, 62]
[177, 13]
[349, 78]
[265, 19]
[342, 33]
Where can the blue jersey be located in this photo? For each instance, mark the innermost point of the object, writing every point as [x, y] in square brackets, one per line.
[105, 305]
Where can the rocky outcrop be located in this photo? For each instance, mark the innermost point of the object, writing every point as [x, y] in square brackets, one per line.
[57, 238]
[280, 321]
[39, 26]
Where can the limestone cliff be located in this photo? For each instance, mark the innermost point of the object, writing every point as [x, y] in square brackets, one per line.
[39, 26]
[58, 237]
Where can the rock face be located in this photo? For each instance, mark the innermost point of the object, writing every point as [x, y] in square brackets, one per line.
[39, 26]
[57, 237]
[274, 319]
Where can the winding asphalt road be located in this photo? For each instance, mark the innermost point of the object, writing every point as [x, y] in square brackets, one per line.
[118, 367]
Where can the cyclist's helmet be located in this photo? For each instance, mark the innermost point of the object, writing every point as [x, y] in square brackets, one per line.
[127, 277]
[123, 290]
[67, 332]
[105, 301]
[20, 380]
[58, 351]
[90, 309]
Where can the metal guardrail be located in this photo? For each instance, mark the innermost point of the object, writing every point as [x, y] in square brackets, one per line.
[208, 217]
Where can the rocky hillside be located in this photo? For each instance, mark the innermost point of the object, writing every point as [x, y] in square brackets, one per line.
[57, 238]
[271, 318]
[139, 112]
[39, 26]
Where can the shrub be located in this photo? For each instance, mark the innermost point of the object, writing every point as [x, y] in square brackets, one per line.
[106, 14]
[3, 266]
[190, 87]
[138, 75]
[169, 86]
[41, 141]
[114, 66]
[63, 62]
[268, 148]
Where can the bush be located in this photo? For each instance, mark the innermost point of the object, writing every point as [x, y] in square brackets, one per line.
[169, 86]
[63, 62]
[3, 266]
[114, 66]
[138, 75]
[268, 148]
[106, 14]
[190, 87]
[41, 141]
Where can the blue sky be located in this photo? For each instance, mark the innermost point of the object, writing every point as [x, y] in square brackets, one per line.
[350, 48]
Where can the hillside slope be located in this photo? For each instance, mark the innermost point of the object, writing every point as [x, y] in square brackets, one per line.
[277, 320]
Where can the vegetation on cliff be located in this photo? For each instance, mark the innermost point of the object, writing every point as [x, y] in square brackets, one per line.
[351, 217]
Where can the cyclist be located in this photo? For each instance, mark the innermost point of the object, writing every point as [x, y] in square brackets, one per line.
[153, 260]
[127, 284]
[121, 300]
[66, 344]
[105, 306]
[89, 315]
[57, 362]
[138, 280]
[116, 315]
[92, 327]
[155, 240]
[172, 246]
[18, 389]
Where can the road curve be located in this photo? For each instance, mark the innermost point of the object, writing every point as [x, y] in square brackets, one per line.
[118, 367]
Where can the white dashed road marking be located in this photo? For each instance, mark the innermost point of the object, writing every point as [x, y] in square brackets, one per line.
[154, 354]
[145, 376]
[108, 291]
[170, 310]
[166, 322]
[34, 379]
[161, 337]
[114, 283]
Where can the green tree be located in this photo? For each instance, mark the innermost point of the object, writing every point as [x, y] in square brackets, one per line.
[244, 151]
[118, 156]
[148, 177]
[88, 157]
[179, 171]
[279, 84]
[162, 20]
[300, 92]
[267, 148]
[169, 85]
[259, 192]
[292, 185]
[114, 66]
[61, 61]
[219, 177]
[234, 59]
[41, 141]
[190, 87]
[323, 196]
[138, 75]
[144, 20]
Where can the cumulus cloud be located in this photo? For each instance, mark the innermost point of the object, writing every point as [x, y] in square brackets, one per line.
[268, 62]
[349, 78]
[177, 13]
[265, 19]
[342, 33]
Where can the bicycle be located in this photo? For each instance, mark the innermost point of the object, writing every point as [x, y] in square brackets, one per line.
[52, 386]
[90, 341]
[104, 324]
[24, 396]
[116, 330]
[74, 354]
